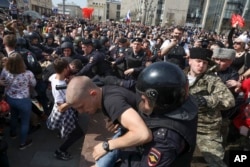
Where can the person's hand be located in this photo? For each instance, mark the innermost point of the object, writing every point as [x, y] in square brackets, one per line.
[98, 152]
[200, 100]
[62, 107]
[112, 63]
[174, 42]
[4, 61]
[232, 83]
[244, 131]
[129, 71]
[3, 82]
[235, 25]
[111, 126]
[241, 78]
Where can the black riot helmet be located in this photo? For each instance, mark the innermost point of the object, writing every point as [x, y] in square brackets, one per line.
[164, 84]
[33, 35]
[49, 35]
[67, 45]
[103, 40]
[65, 39]
[21, 43]
[77, 40]
[96, 43]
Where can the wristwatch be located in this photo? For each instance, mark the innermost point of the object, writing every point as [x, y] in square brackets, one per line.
[105, 146]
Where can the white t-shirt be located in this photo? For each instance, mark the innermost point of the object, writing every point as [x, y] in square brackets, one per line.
[59, 95]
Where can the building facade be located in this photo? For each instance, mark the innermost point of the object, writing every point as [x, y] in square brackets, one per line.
[100, 10]
[216, 15]
[72, 10]
[156, 12]
[113, 12]
[43, 7]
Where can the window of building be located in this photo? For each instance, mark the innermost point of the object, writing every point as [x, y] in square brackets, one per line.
[118, 7]
[160, 2]
[118, 14]
[159, 11]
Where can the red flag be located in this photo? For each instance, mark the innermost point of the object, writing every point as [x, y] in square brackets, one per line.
[238, 18]
[87, 12]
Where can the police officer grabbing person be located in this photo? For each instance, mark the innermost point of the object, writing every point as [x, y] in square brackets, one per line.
[170, 113]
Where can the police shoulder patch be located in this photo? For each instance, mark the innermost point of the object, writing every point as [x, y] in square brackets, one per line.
[154, 157]
[91, 59]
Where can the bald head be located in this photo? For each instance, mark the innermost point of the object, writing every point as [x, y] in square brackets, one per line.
[78, 88]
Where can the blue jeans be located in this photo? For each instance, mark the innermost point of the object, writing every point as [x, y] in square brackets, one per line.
[111, 157]
[20, 108]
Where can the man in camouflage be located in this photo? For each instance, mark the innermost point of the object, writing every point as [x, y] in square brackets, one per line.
[212, 97]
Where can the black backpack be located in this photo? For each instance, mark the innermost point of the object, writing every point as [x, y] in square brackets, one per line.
[34, 66]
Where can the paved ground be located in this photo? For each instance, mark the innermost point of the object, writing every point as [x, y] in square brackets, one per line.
[40, 154]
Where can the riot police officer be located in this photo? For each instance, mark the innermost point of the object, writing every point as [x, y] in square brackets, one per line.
[105, 45]
[68, 51]
[170, 113]
[49, 42]
[29, 58]
[40, 51]
[133, 63]
[96, 61]
[167, 109]
[78, 45]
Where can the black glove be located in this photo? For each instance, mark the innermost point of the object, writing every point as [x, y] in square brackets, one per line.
[200, 100]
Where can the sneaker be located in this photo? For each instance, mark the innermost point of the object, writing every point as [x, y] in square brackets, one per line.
[25, 145]
[62, 155]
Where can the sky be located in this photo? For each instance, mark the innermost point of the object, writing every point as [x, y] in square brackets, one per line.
[81, 3]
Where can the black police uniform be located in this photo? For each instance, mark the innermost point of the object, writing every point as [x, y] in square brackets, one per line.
[174, 137]
[37, 52]
[50, 48]
[78, 50]
[137, 62]
[96, 65]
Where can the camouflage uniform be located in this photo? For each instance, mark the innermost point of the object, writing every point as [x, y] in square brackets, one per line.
[218, 97]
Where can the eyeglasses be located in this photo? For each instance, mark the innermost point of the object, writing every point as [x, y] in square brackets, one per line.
[237, 43]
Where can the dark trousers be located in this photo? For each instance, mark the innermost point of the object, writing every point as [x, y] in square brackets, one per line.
[76, 134]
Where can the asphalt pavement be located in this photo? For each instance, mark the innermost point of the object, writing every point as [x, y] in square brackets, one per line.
[41, 152]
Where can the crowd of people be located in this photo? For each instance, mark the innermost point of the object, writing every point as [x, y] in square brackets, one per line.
[164, 89]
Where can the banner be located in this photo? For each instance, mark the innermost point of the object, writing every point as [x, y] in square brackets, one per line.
[237, 18]
[87, 12]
